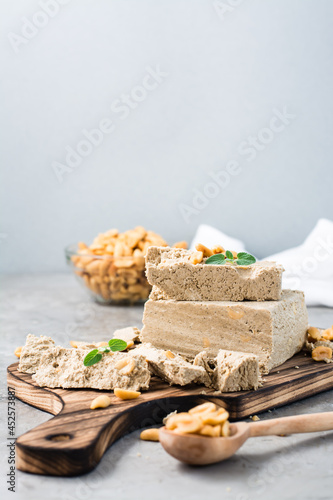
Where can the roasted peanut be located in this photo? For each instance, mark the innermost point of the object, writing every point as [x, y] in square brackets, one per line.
[235, 313]
[17, 351]
[205, 342]
[225, 429]
[125, 366]
[73, 343]
[196, 257]
[327, 334]
[180, 244]
[184, 423]
[314, 334]
[210, 430]
[205, 407]
[126, 394]
[150, 435]
[169, 354]
[100, 402]
[207, 252]
[322, 353]
[215, 418]
[217, 249]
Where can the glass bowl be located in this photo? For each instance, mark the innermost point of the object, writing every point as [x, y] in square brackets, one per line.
[109, 279]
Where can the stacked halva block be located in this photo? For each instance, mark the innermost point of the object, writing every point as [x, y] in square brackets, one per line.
[233, 318]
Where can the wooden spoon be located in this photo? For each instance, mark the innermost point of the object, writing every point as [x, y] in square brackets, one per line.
[201, 450]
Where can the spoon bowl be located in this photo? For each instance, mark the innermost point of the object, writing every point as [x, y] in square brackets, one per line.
[202, 450]
[194, 449]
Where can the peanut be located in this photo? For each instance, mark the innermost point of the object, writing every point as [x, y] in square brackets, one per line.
[210, 430]
[169, 354]
[202, 408]
[150, 435]
[180, 244]
[327, 334]
[126, 394]
[225, 429]
[314, 334]
[17, 351]
[215, 418]
[206, 251]
[205, 342]
[100, 402]
[322, 353]
[183, 423]
[218, 249]
[73, 343]
[196, 257]
[125, 366]
[235, 313]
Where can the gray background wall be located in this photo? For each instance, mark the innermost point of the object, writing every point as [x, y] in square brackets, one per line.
[229, 65]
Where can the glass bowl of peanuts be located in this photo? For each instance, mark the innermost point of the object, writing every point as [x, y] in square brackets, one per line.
[112, 268]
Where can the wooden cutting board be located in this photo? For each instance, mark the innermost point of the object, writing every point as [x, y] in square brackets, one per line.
[74, 441]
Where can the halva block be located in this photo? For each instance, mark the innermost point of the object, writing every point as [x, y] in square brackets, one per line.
[170, 270]
[273, 330]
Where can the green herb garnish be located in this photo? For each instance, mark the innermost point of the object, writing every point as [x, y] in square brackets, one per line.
[96, 355]
[242, 259]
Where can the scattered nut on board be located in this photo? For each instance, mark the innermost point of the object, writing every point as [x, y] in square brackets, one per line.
[255, 418]
[204, 420]
[322, 353]
[150, 435]
[17, 351]
[100, 402]
[126, 394]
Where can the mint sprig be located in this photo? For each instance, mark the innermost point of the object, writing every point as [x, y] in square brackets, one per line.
[96, 355]
[92, 357]
[242, 259]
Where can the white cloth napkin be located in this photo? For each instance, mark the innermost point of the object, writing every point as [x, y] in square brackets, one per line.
[308, 267]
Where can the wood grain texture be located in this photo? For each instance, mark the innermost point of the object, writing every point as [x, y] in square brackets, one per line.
[74, 441]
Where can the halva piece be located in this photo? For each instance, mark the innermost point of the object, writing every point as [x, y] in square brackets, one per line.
[63, 367]
[236, 371]
[170, 270]
[171, 367]
[273, 330]
[32, 352]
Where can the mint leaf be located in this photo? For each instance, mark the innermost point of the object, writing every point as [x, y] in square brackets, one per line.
[216, 259]
[92, 357]
[245, 259]
[229, 255]
[117, 345]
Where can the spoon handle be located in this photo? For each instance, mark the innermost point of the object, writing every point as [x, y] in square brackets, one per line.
[293, 425]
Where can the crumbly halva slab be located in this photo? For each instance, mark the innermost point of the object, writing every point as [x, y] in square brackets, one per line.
[63, 367]
[273, 330]
[32, 352]
[128, 334]
[236, 371]
[170, 270]
[172, 368]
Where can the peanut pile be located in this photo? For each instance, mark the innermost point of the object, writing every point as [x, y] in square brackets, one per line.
[203, 251]
[113, 266]
[320, 343]
[204, 420]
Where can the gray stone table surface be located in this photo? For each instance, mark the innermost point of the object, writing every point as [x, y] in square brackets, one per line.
[292, 467]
